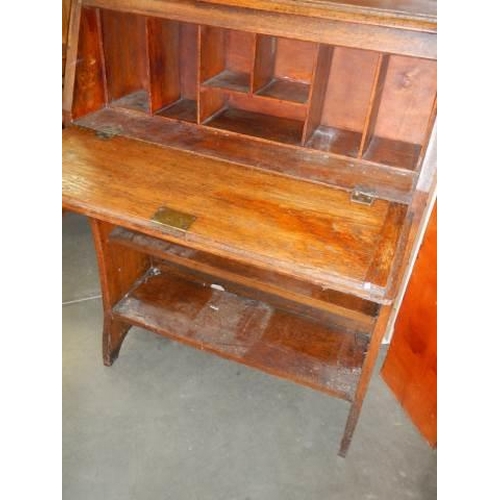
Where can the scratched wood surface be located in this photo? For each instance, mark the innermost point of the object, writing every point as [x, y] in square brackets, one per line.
[298, 227]
[249, 331]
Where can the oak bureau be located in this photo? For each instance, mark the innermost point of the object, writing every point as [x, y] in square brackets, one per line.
[255, 174]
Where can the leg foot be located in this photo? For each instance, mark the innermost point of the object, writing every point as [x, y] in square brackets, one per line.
[352, 420]
[113, 335]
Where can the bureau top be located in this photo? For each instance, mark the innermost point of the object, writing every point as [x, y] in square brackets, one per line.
[418, 15]
[407, 13]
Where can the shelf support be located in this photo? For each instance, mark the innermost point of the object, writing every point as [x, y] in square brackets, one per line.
[119, 268]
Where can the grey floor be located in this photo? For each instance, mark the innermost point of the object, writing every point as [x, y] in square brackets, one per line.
[168, 422]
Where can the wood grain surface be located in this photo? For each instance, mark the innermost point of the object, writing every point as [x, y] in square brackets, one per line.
[298, 227]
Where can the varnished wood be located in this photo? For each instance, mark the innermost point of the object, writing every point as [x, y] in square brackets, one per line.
[119, 268]
[349, 89]
[124, 43]
[374, 104]
[408, 81]
[420, 14]
[164, 62]
[71, 58]
[318, 90]
[89, 84]
[311, 230]
[264, 62]
[286, 130]
[370, 36]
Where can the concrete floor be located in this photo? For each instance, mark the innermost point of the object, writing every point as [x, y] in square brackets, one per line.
[168, 422]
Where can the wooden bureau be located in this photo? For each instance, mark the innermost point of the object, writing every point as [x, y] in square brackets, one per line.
[255, 174]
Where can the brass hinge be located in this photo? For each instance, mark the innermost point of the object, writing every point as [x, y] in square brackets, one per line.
[173, 218]
[362, 196]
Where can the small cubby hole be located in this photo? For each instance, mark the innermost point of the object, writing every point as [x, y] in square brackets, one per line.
[226, 58]
[363, 106]
[283, 68]
[124, 41]
[397, 128]
[173, 68]
[259, 86]
[340, 99]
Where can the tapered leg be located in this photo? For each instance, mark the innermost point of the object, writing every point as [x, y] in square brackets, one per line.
[119, 268]
[113, 334]
[364, 379]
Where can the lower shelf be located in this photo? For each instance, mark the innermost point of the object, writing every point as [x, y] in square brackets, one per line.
[249, 331]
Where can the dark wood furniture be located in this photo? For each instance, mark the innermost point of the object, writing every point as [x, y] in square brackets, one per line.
[254, 173]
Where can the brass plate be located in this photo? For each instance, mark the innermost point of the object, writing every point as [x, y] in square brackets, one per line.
[173, 218]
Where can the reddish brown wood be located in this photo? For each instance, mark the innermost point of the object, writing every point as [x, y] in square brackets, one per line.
[272, 107]
[274, 128]
[70, 59]
[119, 268]
[374, 104]
[164, 62]
[240, 48]
[283, 68]
[364, 35]
[317, 94]
[125, 53]
[226, 58]
[212, 52]
[408, 81]
[230, 80]
[419, 14]
[349, 89]
[395, 153]
[311, 230]
[212, 102]
[286, 90]
[335, 140]
[89, 94]
[295, 59]
[383, 257]
[184, 110]
[410, 368]
[265, 55]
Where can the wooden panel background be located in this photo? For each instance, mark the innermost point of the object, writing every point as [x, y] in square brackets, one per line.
[407, 99]
[125, 50]
[349, 87]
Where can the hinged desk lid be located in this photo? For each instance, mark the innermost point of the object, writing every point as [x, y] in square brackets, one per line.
[292, 226]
